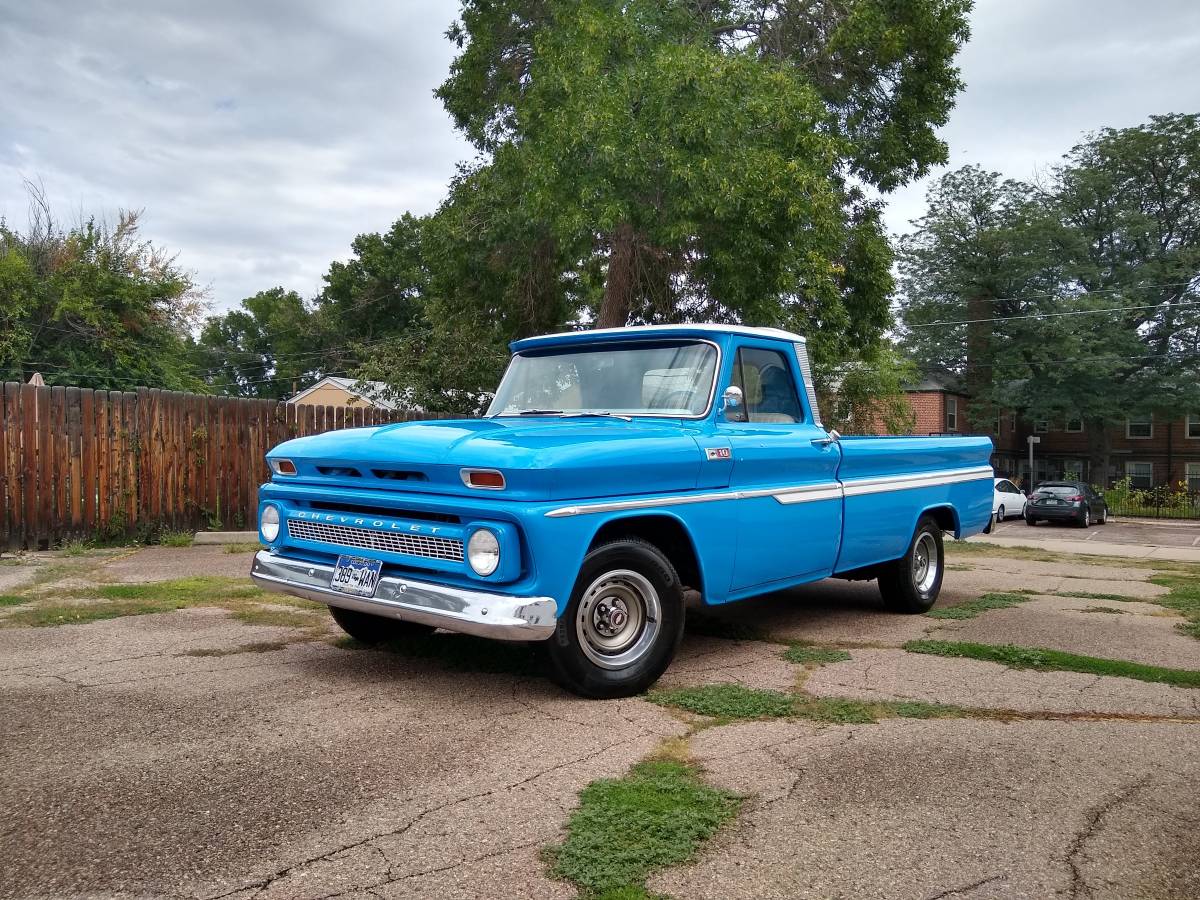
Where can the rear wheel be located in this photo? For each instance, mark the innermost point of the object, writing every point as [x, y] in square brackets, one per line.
[623, 624]
[1030, 520]
[911, 583]
[1000, 513]
[376, 629]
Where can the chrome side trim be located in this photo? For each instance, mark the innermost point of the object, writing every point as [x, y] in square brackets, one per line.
[803, 493]
[856, 487]
[454, 609]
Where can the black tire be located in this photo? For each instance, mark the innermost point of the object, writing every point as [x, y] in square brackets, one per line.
[1030, 520]
[906, 585]
[1085, 517]
[1103, 520]
[376, 629]
[1000, 513]
[632, 580]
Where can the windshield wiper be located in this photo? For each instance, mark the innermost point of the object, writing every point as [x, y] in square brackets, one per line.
[577, 415]
[540, 412]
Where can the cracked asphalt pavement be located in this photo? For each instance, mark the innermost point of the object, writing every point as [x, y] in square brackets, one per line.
[191, 755]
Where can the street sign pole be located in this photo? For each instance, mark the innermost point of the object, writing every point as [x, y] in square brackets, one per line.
[1032, 439]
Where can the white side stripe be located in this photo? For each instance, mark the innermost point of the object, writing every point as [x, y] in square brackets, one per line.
[801, 493]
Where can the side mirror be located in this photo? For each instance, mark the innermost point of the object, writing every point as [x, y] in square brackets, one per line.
[733, 404]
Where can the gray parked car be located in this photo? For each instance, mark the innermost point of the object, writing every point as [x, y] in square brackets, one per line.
[1066, 501]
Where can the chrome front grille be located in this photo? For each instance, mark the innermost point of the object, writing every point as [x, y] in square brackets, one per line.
[385, 541]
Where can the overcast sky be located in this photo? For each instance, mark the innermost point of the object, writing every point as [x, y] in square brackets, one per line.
[261, 137]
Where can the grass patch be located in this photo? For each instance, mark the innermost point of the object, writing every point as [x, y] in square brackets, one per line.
[243, 548]
[817, 656]
[76, 548]
[1103, 609]
[1092, 595]
[255, 647]
[12, 600]
[176, 538]
[1184, 598]
[971, 608]
[726, 702]
[112, 601]
[656, 816]
[730, 702]
[1045, 660]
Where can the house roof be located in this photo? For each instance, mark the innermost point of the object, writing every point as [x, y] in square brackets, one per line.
[937, 381]
[373, 392]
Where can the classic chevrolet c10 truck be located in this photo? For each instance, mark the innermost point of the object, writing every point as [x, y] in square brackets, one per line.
[614, 470]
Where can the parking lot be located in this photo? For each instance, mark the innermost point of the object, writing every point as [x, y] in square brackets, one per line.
[194, 739]
[1164, 533]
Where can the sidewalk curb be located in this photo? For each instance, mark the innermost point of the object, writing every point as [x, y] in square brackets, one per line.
[1098, 548]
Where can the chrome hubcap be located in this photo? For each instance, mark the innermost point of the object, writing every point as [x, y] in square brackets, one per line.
[925, 563]
[618, 619]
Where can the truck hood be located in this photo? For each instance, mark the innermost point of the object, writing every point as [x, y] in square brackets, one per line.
[541, 458]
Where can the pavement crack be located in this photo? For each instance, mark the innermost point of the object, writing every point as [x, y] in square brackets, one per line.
[262, 884]
[1092, 823]
[967, 888]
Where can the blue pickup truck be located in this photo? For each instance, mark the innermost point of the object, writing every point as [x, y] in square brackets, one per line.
[616, 472]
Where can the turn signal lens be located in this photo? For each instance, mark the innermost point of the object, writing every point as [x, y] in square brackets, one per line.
[268, 523]
[483, 552]
[483, 479]
[283, 467]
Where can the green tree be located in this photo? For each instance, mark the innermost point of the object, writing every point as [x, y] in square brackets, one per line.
[94, 305]
[703, 152]
[1093, 280]
[267, 348]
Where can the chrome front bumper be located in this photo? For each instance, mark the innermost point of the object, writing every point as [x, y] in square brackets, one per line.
[454, 609]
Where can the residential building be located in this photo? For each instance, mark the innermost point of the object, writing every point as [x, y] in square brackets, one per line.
[1150, 450]
[333, 391]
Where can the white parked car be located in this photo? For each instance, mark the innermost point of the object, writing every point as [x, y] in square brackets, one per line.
[1007, 500]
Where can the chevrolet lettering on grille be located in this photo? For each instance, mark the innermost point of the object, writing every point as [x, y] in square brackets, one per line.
[363, 522]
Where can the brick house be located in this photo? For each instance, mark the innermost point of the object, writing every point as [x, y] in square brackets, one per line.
[1149, 450]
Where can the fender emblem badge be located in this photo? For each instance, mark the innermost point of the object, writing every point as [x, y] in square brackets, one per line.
[718, 453]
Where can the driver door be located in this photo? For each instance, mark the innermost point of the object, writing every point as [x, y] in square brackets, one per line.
[783, 535]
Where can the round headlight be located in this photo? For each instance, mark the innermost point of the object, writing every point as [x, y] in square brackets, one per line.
[483, 552]
[268, 523]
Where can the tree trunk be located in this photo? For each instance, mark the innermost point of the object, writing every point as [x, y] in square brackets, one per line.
[621, 279]
[979, 357]
[1099, 451]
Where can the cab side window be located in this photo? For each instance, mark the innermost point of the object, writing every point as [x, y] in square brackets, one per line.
[767, 386]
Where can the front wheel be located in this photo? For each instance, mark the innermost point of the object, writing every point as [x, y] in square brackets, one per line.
[1103, 520]
[376, 629]
[911, 583]
[1085, 520]
[623, 624]
[1030, 520]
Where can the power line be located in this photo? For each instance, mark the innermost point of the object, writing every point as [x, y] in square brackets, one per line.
[1054, 315]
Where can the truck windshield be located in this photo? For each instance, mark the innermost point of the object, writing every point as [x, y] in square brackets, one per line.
[659, 379]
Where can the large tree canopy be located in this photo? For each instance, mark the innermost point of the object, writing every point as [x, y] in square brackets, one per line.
[707, 152]
[1090, 281]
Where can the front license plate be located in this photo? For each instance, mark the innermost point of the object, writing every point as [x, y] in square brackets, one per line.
[356, 575]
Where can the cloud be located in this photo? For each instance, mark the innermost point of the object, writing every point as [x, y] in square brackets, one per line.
[1041, 74]
[259, 137]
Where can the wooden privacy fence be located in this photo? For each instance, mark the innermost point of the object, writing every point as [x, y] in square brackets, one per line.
[79, 463]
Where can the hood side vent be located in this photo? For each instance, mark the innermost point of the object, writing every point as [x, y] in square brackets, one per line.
[399, 475]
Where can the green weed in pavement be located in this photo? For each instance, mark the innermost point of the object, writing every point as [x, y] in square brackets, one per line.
[818, 656]
[971, 608]
[1044, 660]
[654, 817]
